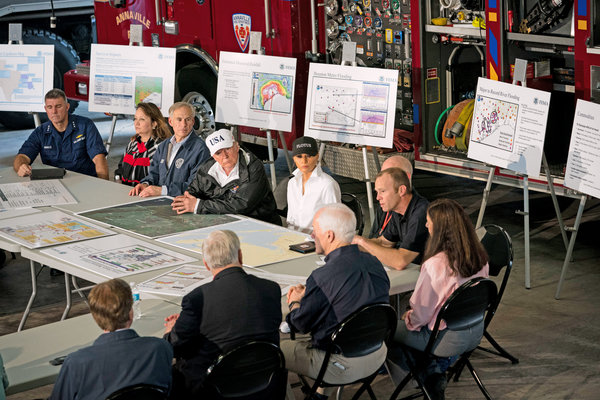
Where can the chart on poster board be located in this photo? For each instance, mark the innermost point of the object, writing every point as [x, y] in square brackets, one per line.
[354, 105]
[117, 256]
[256, 90]
[26, 75]
[509, 126]
[122, 76]
[583, 164]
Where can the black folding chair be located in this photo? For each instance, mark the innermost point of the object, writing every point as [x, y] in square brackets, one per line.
[255, 370]
[360, 334]
[498, 245]
[280, 194]
[464, 309]
[141, 391]
[352, 202]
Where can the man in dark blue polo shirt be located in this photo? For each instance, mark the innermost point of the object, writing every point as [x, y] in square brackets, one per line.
[349, 280]
[65, 141]
[403, 232]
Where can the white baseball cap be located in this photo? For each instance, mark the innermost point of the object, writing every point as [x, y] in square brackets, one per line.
[221, 139]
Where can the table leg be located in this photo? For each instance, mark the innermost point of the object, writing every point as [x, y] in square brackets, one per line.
[79, 290]
[68, 294]
[31, 298]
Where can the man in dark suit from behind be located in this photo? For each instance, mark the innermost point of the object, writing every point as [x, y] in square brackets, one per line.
[119, 357]
[217, 317]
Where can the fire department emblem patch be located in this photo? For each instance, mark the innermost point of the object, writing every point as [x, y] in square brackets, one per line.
[242, 23]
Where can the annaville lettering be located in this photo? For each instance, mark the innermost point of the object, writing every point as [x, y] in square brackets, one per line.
[133, 16]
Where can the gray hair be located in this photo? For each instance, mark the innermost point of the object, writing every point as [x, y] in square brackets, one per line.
[55, 94]
[182, 104]
[340, 219]
[220, 249]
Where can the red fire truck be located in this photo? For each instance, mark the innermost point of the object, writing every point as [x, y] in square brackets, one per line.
[439, 47]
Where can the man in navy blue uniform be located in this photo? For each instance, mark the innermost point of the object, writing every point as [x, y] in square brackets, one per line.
[119, 357]
[176, 160]
[66, 141]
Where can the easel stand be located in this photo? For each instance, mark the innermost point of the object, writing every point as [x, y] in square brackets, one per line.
[15, 36]
[519, 76]
[348, 58]
[256, 48]
[135, 39]
[574, 231]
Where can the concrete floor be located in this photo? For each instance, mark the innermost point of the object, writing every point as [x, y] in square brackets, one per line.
[556, 341]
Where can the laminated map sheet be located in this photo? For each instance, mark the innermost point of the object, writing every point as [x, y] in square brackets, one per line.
[117, 256]
[154, 218]
[48, 229]
[261, 243]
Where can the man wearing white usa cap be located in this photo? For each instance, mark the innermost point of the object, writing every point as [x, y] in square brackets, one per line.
[232, 182]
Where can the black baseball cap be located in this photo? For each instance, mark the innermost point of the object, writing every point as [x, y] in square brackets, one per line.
[305, 145]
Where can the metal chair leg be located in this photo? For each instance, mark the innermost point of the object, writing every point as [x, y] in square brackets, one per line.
[500, 350]
[477, 380]
[401, 386]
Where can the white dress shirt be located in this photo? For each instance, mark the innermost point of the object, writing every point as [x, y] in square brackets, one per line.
[319, 190]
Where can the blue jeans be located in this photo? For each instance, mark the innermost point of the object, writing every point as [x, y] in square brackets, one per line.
[449, 343]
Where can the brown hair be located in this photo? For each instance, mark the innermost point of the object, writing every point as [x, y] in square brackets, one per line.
[399, 178]
[110, 304]
[453, 234]
[162, 130]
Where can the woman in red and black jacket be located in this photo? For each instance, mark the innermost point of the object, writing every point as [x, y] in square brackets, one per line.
[150, 130]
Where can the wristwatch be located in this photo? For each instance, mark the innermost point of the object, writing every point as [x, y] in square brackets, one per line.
[292, 304]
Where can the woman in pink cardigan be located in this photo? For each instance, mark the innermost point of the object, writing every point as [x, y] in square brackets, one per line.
[453, 255]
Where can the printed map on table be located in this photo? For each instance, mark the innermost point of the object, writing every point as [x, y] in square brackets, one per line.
[49, 229]
[177, 282]
[41, 193]
[154, 218]
[117, 256]
[262, 243]
[285, 282]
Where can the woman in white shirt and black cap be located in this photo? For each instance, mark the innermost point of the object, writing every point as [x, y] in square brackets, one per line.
[310, 187]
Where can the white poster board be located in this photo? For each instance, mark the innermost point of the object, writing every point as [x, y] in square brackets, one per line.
[509, 126]
[122, 76]
[26, 74]
[256, 90]
[351, 104]
[583, 164]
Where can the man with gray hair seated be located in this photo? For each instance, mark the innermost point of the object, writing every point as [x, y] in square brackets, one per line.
[176, 160]
[349, 280]
[217, 317]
